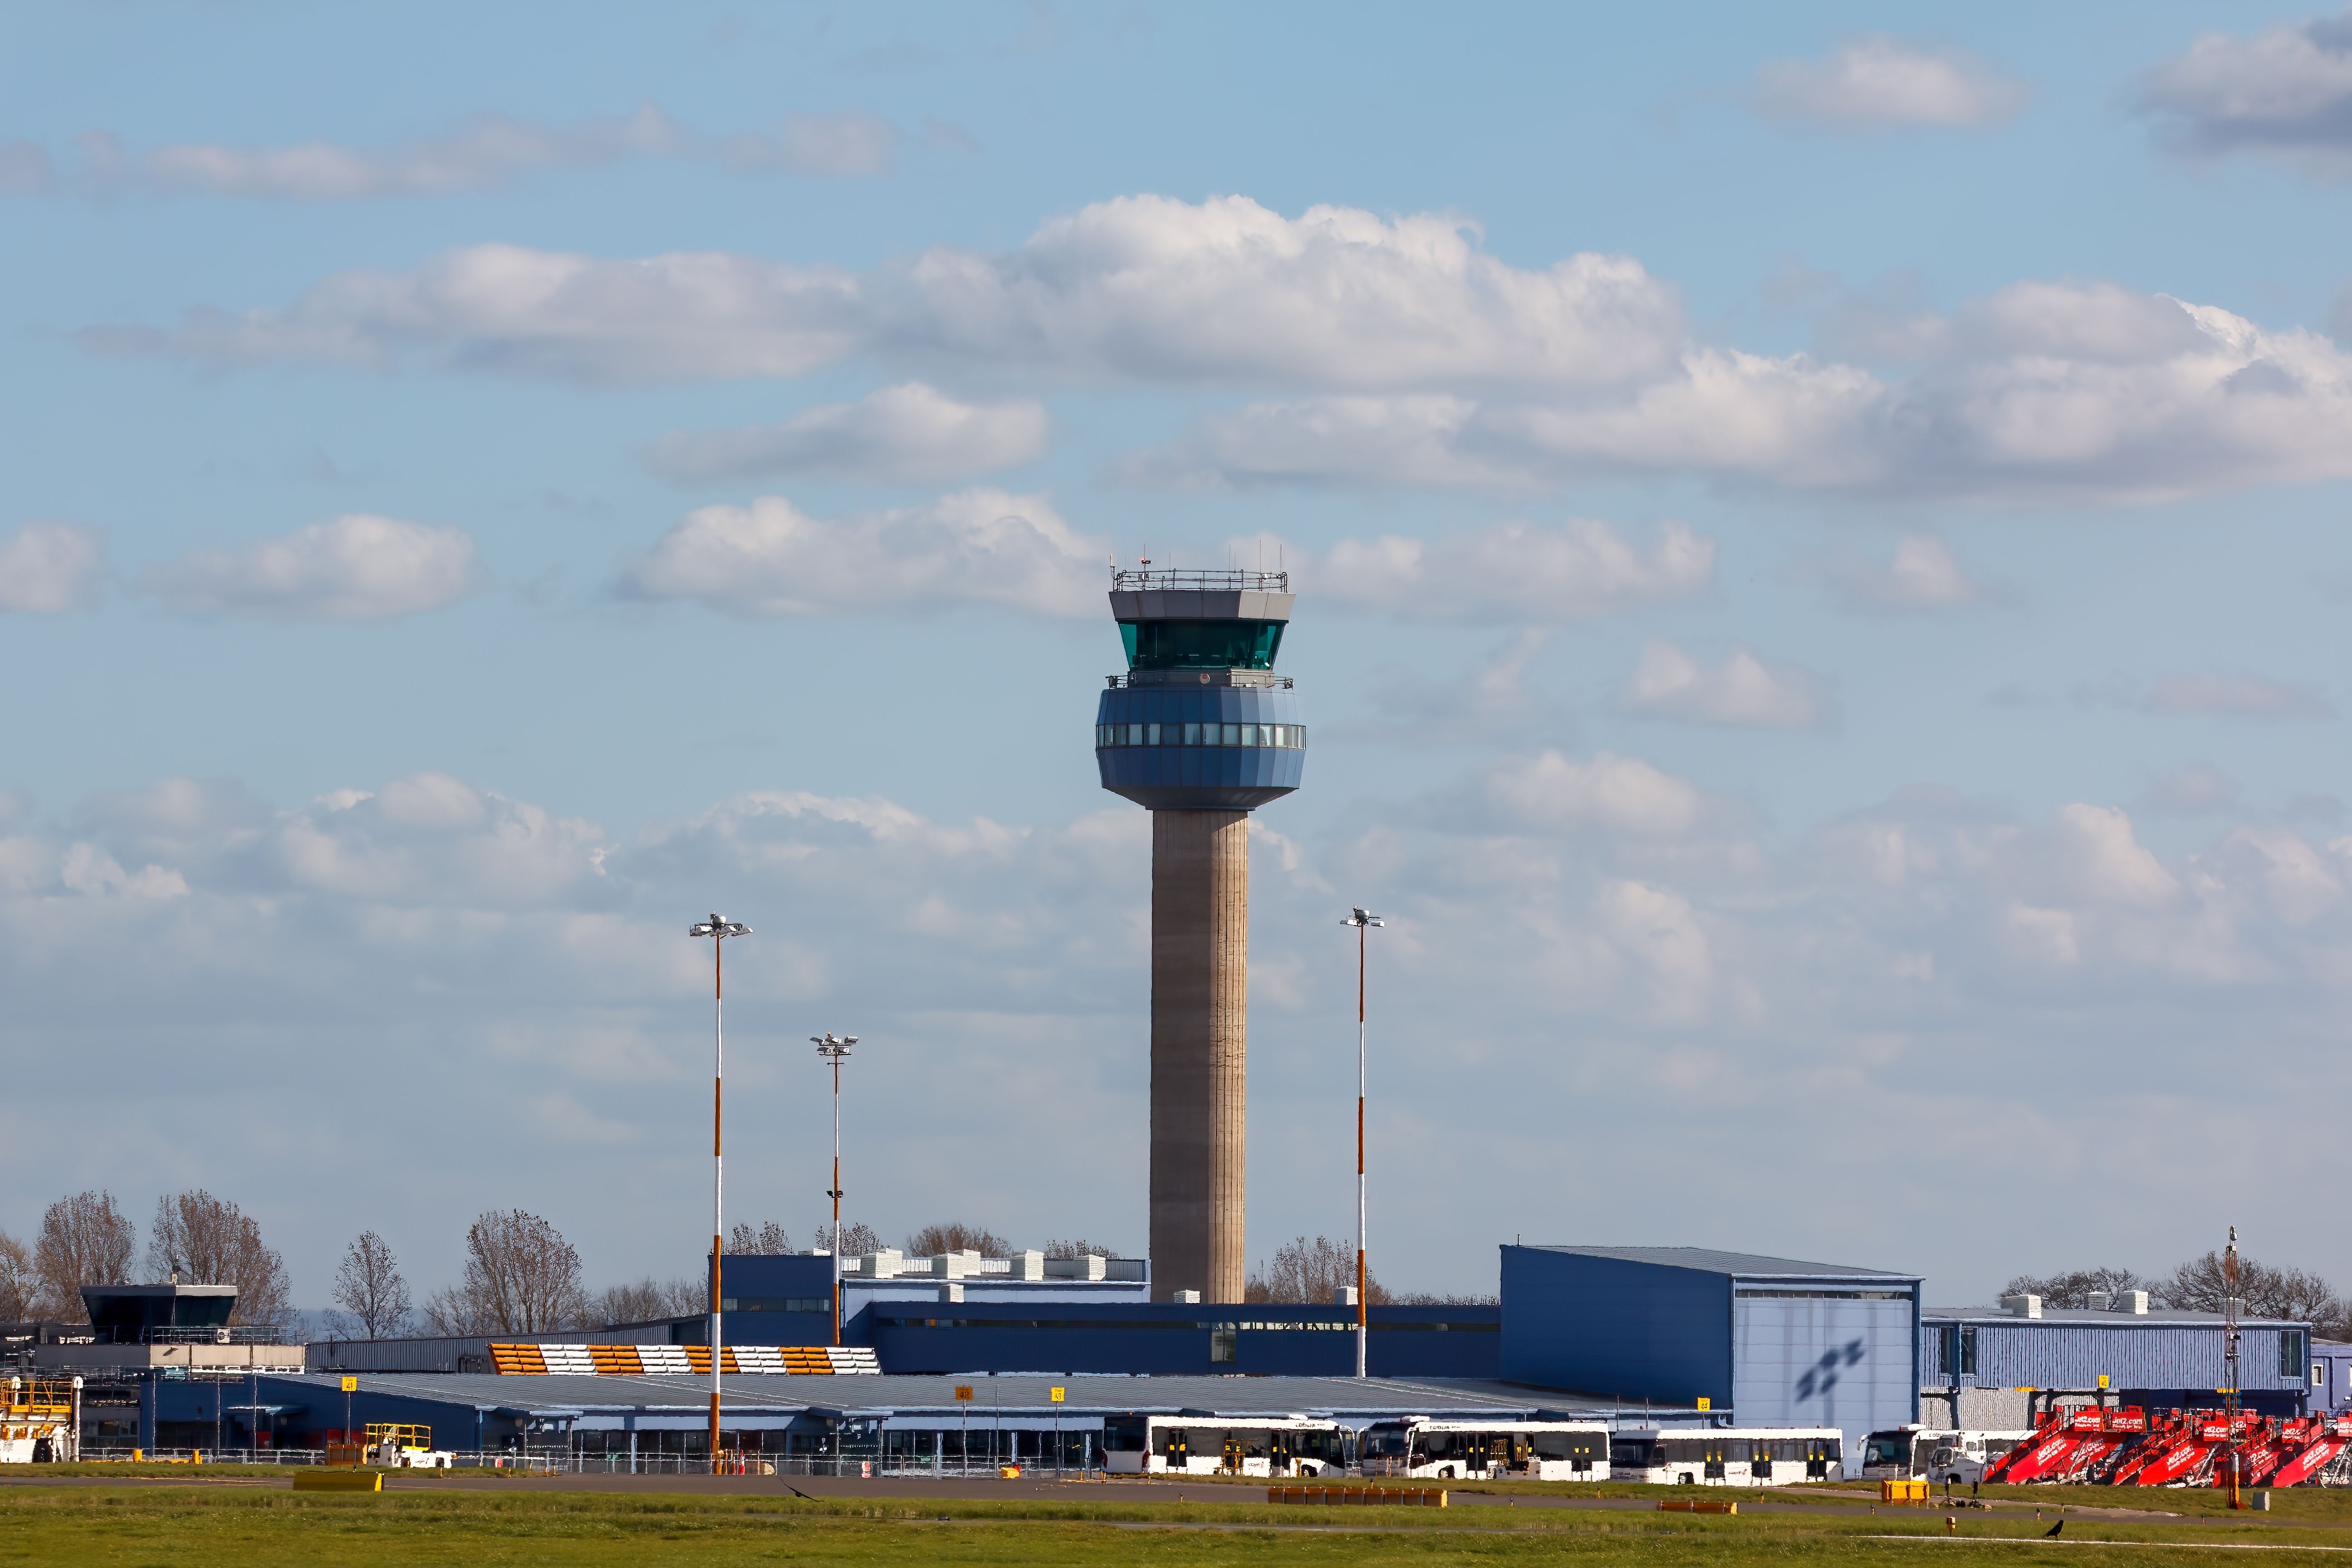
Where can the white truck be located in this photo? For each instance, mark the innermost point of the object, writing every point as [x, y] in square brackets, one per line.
[1926, 1453]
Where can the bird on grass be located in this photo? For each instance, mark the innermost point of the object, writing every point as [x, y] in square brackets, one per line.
[2055, 1528]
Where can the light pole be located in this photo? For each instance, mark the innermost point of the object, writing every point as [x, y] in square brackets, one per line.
[718, 929]
[1363, 920]
[836, 1050]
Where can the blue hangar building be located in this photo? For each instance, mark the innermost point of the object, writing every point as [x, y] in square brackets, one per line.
[1777, 1341]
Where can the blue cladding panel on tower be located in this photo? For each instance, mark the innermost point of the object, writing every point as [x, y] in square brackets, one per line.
[1201, 778]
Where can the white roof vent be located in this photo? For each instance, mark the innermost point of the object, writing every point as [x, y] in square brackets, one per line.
[2132, 1302]
[2022, 1306]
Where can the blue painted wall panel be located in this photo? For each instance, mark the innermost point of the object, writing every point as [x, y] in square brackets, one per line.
[1601, 1325]
[1803, 1362]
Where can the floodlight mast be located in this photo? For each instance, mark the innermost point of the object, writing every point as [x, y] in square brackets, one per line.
[836, 1051]
[2229, 1449]
[718, 928]
[1363, 920]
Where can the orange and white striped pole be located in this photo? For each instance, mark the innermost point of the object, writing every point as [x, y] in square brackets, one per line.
[718, 930]
[1362, 919]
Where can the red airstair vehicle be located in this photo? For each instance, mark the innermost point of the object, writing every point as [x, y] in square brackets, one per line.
[2064, 1445]
[2321, 1442]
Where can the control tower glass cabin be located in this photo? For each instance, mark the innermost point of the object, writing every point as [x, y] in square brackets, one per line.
[1200, 731]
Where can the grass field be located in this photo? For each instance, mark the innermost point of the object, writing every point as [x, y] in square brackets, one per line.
[259, 1526]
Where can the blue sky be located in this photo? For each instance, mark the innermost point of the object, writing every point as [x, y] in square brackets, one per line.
[1818, 531]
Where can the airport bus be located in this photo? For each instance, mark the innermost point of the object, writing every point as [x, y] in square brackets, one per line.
[1435, 1450]
[1728, 1455]
[1202, 1445]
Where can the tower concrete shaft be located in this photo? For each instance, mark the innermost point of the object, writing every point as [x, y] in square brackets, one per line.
[1200, 731]
[1199, 1051]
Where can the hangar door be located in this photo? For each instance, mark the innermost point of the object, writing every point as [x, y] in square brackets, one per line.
[1824, 1358]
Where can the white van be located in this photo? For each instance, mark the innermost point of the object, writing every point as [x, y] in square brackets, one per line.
[1925, 1453]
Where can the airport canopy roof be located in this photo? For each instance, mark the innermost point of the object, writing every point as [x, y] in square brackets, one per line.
[1088, 1394]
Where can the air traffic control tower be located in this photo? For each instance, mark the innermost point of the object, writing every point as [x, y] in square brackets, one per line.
[1200, 731]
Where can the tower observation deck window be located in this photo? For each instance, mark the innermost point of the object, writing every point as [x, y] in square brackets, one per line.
[1201, 644]
[1289, 737]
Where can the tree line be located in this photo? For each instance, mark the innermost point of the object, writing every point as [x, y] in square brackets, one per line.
[2265, 1290]
[1303, 1272]
[520, 1275]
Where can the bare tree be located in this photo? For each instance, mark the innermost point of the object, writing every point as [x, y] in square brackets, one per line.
[521, 1278]
[369, 1290]
[957, 1237]
[205, 1240]
[450, 1311]
[2267, 1292]
[20, 1284]
[1079, 1249]
[1309, 1272]
[650, 1299]
[857, 1239]
[84, 1240]
[2072, 1291]
[768, 1240]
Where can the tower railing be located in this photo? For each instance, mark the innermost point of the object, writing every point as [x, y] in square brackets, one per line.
[1253, 678]
[1214, 581]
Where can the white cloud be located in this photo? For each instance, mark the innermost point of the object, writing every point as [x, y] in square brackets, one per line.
[840, 145]
[1741, 689]
[487, 151]
[975, 547]
[513, 311]
[1142, 287]
[2100, 860]
[2238, 696]
[2192, 792]
[909, 432]
[356, 568]
[2287, 89]
[1548, 792]
[1920, 575]
[1880, 81]
[2087, 392]
[1618, 931]
[49, 568]
[1515, 571]
[1426, 361]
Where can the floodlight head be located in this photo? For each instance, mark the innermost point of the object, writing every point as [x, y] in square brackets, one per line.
[719, 926]
[831, 1047]
[1362, 918]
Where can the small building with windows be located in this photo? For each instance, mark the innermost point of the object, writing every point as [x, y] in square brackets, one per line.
[2331, 1375]
[1996, 1368]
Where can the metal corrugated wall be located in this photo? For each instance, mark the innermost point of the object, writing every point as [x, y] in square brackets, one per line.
[2031, 1353]
[1610, 1327]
